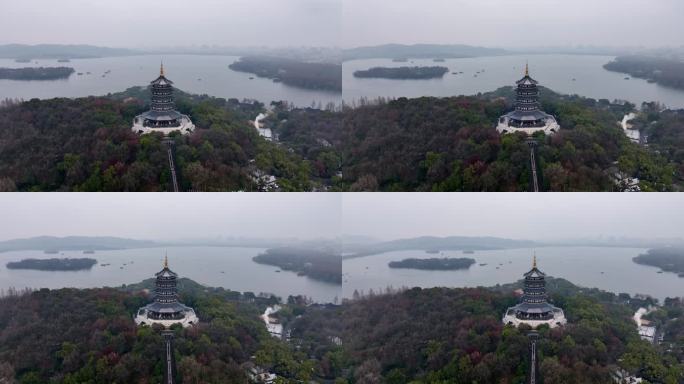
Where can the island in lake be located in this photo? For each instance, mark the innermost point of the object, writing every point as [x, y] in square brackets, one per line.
[435, 264]
[667, 259]
[403, 73]
[65, 264]
[39, 73]
[308, 75]
[664, 71]
[317, 264]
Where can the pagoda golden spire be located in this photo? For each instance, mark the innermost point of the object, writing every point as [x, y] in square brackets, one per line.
[161, 69]
[527, 69]
[166, 257]
[534, 260]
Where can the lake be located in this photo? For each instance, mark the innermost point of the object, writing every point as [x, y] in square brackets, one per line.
[552, 71]
[201, 264]
[191, 73]
[580, 265]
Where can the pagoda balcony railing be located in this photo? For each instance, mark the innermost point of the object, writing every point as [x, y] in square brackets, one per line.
[157, 124]
[534, 316]
[166, 316]
[166, 291]
[520, 124]
[166, 301]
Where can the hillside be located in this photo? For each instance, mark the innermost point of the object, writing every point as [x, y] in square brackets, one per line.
[86, 144]
[88, 336]
[443, 335]
[450, 144]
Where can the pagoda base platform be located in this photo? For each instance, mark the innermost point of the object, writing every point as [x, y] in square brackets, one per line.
[557, 320]
[188, 320]
[549, 127]
[186, 126]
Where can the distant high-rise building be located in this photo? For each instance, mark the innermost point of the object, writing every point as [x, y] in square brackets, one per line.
[527, 117]
[166, 310]
[162, 116]
[534, 309]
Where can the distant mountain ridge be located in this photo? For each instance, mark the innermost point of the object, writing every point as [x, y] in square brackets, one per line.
[60, 51]
[71, 243]
[431, 243]
[420, 51]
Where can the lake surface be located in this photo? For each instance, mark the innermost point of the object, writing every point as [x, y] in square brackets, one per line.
[552, 71]
[201, 264]
[580, 265]
[184, 70]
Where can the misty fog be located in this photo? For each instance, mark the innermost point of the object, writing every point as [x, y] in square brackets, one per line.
[160, 216]
[548, 216]
[519, 23]
[170, 23]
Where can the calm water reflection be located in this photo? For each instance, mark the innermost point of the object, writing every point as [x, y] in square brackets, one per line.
[580, 265]
[194, 74]
[552, 71]
[231, 268]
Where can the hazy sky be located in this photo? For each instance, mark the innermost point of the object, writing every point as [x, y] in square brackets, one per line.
[514, 215]
[514, 22]
[148, 23]
[168, 216]
[315, 215]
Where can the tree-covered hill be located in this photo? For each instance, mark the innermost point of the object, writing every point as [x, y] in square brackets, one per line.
[442, 335]
[86, 144]
[450, 144]
[422, 144]
[75, 336]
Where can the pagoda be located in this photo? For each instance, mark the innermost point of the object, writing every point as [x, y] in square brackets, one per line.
[527, 117]
[166, 310]
[534, 309]
[162, 116]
